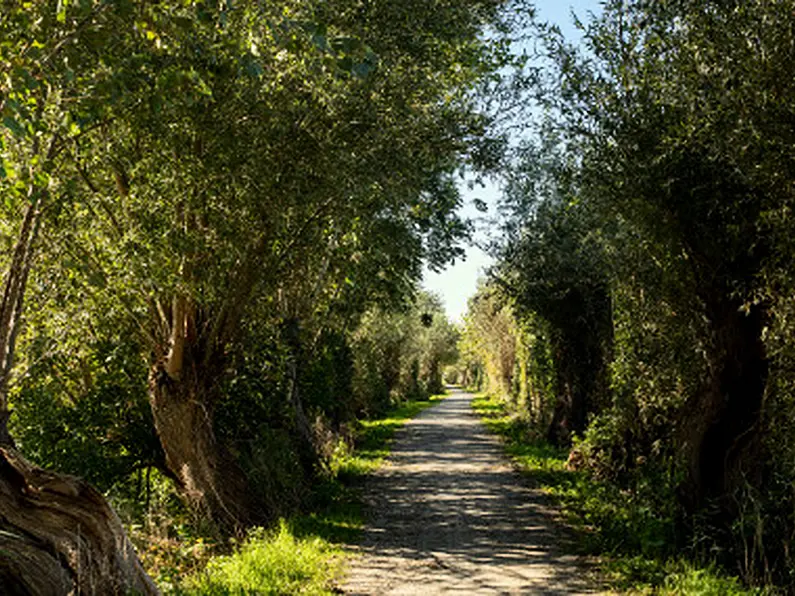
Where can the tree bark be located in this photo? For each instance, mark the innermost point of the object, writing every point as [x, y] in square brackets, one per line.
[58, 535]
[11, 302]
[208, 476]
[722, 430]
[581, 345]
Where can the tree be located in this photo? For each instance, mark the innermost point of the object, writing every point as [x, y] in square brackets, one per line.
[673, 125]
[49, 60]
[552, 264]
[489, 341]
[243, 189]
[400, 353]
[196, 162]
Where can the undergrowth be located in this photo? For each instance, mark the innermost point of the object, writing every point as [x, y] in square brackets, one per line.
[303, 554]
[633, 540]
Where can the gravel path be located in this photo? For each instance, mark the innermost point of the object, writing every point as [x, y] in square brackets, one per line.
[450, 516]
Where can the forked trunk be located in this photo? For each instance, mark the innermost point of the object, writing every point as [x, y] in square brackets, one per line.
[210, 480]
[58, 535]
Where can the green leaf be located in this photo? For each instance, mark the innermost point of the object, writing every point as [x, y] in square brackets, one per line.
[252, 67]
[97, 280]
[15, 127]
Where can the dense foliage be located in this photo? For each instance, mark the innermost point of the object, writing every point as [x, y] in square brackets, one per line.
[214, 216]
[644, 271]
[214, 220]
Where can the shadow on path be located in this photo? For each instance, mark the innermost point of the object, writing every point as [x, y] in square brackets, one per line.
[450, 515]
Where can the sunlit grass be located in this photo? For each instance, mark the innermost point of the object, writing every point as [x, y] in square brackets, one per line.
[270, 562]
[632, 541]
[374, 439]
[305, 554]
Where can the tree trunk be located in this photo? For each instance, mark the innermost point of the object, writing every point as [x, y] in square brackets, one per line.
[291, 333]
[560, 427]
[58, 535]
[721, 433]
[576, 384]
[581, 345]
[11, 301]
[209, 478]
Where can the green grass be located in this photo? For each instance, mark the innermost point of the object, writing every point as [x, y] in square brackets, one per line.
[306, 554]
[374, 440]
[632, 539]
[275, 562]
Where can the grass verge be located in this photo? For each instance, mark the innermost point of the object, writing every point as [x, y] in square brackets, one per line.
[306, 554]
[374, 439]
[627, 535]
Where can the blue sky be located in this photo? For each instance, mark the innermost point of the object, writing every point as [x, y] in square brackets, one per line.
[458, 282]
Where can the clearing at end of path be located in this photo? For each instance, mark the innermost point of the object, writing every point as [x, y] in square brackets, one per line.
[448, 514]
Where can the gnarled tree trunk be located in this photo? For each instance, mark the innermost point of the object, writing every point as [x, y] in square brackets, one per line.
[722, 434]
[58, 535]
[209, 477]
[189, 344]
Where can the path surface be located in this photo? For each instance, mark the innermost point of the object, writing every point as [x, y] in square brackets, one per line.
[452, 517]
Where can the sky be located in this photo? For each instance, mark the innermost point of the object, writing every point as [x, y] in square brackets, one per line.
[458, 281]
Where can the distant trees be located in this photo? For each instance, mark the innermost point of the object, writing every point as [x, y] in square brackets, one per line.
[488, 343]
[402, 353]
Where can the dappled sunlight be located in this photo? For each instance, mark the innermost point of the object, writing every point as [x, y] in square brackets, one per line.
[450, 515]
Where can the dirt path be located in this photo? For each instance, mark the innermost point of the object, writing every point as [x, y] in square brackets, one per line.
[452, 517]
